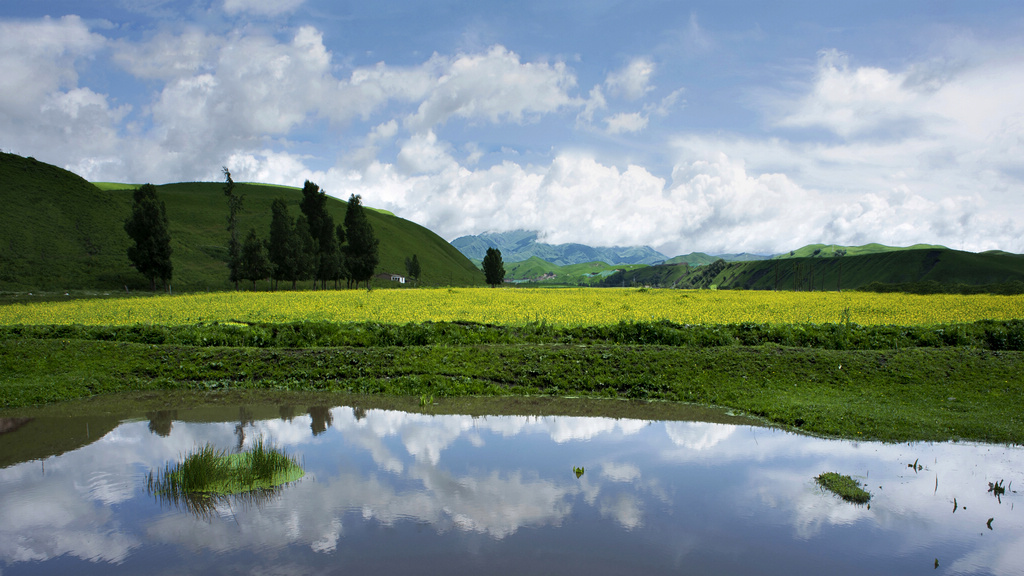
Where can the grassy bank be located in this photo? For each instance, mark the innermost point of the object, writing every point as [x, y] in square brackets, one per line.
[986, 334]
[894, 394]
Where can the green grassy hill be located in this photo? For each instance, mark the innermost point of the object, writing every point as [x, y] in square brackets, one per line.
[692, 259]
[529, 269]
[830, 250]
[904, 266]
[700, 258]
[59, 232]
[539, 271]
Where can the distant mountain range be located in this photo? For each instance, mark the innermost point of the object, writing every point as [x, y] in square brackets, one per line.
[520, 245]
[813, 267]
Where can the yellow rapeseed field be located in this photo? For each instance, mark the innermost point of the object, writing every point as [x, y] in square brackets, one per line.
[518, 306]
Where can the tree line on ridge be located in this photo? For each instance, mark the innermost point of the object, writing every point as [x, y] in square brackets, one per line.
[310, 246]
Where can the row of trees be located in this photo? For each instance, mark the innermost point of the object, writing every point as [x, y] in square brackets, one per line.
[309, 247]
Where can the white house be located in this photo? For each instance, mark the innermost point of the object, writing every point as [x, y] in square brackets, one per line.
[392, 277]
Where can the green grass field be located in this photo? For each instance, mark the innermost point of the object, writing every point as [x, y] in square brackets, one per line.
[914, 380]
[916, 394]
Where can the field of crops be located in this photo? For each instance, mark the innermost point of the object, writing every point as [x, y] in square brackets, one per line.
[562, 307]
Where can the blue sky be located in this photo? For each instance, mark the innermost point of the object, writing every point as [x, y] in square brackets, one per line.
[686, 126]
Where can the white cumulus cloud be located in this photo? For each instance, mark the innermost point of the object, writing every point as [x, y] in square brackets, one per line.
[626, 122]
[494, 86]
[632, 81]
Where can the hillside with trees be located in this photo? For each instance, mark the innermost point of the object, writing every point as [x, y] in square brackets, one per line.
[60, 232]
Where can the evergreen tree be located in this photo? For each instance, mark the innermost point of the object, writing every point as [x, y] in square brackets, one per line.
[306, 248]
[314, 207]
[283, 248]
[494, 268]
[326, 264]
[234, 209]
[412, 267]
[361, 255]
[342, 267]
[253, 264]
[329, 253]
[147, 227]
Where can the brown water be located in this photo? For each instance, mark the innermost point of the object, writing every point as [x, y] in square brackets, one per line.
[392, 492]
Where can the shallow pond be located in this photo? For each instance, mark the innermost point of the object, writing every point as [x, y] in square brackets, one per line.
[419, 493]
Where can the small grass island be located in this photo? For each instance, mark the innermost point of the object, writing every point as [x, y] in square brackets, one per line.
[843, 486]
[211, 472]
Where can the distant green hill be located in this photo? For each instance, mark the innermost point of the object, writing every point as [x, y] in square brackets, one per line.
[534, 267]
[830, 250]
[59, 232]
[700, 258]
[894, 266]
[692, 259]
[536, 270]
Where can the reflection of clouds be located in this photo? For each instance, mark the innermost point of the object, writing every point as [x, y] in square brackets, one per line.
[424, 441]
[282, 432]
[329, 542]
[108, 488]
[496, 475]
[311, 512]
[425, 437]
[589, 489]
[623, 508]
[62, 505]
[618, 472]
[911, 508]
[698, 435]
[55, 522]
[730, 443]
[812, 508]
[1004, 558]
[498, 505]
[564, 429]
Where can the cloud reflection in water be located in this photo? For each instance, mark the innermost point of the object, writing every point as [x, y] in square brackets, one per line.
[666, 488]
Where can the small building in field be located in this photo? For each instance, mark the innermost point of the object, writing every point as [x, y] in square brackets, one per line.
[391, 278]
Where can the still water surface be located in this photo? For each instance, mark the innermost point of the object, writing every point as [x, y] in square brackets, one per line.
[400, 492]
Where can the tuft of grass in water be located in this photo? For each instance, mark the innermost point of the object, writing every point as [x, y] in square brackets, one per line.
[263, 464]
[843, 486]
[201, 469]
[214, 472]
